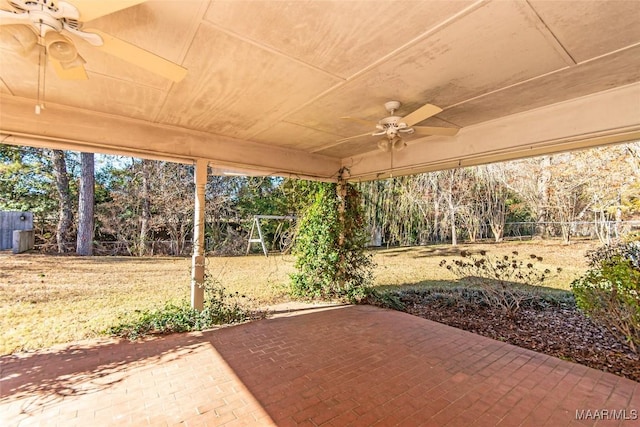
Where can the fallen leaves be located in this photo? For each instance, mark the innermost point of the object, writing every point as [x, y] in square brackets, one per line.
[557, 331]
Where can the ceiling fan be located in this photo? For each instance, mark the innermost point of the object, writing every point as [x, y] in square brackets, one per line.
[393, 128]
[49, 23]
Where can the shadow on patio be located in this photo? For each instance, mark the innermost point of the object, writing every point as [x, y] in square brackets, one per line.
[356, 365]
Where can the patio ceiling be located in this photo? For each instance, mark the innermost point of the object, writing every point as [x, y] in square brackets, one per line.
[268, 82]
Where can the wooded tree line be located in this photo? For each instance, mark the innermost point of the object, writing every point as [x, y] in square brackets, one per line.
[145, 207]
[551, 193]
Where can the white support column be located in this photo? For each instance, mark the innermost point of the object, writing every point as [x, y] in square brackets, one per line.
[198, 260]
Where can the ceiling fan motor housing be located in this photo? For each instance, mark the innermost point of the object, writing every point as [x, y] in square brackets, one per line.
[391, 126]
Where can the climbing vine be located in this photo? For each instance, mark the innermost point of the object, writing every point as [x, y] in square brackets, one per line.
[330, 246]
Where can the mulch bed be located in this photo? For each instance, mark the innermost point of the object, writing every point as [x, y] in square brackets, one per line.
[560, 331]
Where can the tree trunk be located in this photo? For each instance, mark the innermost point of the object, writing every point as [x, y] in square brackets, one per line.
[65, 216]
[146, 207]
[452, 206]
[454, 238]
[436, 217]
[84, 244]
[498, 231]
[542, 216]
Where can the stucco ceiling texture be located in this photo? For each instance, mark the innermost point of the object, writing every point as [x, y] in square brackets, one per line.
[268, 82]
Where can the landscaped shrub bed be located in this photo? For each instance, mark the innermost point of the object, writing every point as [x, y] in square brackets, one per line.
[548, 323]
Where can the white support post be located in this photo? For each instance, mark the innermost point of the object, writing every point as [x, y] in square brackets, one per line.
[198, 260]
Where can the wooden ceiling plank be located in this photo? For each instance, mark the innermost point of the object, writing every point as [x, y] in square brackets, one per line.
[618, 69]
[588, 29]
[438, 69]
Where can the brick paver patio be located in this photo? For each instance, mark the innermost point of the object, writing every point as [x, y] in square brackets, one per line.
[353, 365]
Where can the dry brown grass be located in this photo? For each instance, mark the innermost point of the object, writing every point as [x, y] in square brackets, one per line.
[46, 299]
[418, 266]
[52, 299]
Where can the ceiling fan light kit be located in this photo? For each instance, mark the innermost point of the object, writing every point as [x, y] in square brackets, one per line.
[52, 22]
[60, 47]
[398, 144]
[383, 145]
[393, 127]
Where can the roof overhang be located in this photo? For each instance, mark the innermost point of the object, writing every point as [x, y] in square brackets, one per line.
[518, 78]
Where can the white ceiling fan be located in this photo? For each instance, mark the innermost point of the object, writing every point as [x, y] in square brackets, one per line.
[49, 23]
[393, 128]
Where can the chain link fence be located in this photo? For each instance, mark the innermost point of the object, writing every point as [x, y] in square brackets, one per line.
[595, 230]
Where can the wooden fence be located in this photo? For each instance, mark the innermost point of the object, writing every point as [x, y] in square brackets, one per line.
[10, 221]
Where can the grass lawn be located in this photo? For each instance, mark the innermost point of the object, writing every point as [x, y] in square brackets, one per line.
[45, 299]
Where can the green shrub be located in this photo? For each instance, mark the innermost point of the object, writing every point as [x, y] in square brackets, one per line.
[384, 298]
[500, 277]
[609, 292]
[331, 258]
[219, 309]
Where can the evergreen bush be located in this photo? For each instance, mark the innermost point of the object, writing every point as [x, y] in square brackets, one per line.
[609, 292]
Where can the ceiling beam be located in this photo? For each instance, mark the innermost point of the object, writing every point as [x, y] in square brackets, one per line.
[602, 118]
[81, 130]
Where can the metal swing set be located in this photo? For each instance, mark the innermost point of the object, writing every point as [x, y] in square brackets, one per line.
[283, 237]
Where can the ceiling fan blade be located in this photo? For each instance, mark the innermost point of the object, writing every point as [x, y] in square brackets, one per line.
[354, 137]
[92, 9]
[71, 73]
[364, 122]
[10, 18]
[433, 130]
[420, 114]
[140, 57]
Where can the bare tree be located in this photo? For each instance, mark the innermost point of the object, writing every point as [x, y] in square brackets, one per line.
[611, 177]
[473, 212]
[436, 199]
[542, 195]
[495, 195]
[172, 195]
[454, 185]
[530, 179]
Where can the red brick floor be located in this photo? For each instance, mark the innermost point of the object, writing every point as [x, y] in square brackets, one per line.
[354, 365]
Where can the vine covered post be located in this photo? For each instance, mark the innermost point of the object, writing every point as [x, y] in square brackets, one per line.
[342, 204]
[330, 245]
[198, 261]
[341, 193]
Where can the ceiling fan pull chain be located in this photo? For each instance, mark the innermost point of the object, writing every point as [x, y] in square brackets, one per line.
[44, 78]
[41, 65]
